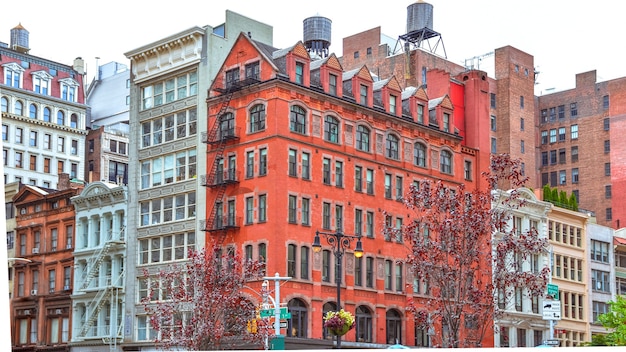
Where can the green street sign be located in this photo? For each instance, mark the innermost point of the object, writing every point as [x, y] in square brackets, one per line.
[269, 313]
[553, 290]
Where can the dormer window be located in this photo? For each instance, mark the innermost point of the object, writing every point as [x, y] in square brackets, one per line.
[69, 89]
[363, 94]
[232, 77]
[299, 73]
[13, 75]
[392, 104]
[446, 122]
[41, 82]
[332, 84]
[253, 70]
[420, 113]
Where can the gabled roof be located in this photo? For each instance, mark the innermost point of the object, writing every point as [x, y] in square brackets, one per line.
[30, 193]
[444, 101]
[297, 49]
[391, 82]
[331, 61]
[362, 72]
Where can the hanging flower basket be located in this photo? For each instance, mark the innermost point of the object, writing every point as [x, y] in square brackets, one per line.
[338, 323]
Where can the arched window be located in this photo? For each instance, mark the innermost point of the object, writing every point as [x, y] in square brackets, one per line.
[296, 326]
[394, 327]
[392, 146]
[297, 119]
[328, 307]
[74, 121]
[19, 108]
[419, 154]
[60, 118]
[363, 324]
[362, 138]
[47, 114]
[32, 111]
[4, 104]
[257, 118]
[446, 162]
[331, 129]
[227, 125]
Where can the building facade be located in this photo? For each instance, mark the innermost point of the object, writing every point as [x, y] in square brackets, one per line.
[297, 145]
[99, 295]
[41, 305]
[169, 84]
[43, 116]
[601, 274]
[567, 233]
[522, 323]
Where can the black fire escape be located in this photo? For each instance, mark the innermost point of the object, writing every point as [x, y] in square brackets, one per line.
[222, 133]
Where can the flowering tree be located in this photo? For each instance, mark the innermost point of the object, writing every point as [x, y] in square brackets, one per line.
[199, 305]
[450, 241]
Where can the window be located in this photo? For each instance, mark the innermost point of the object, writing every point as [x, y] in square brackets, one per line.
[252, 70]
[257, 118]
[521, 124]
[521, 102]
[552, 114]
[306, 211]
[468, 170]
[493, 145]
[522, 146]
[369, 224]
[392, 104]
[262, 161]
[304, 263]
[562, 178]
[399, 279]
[331, 129]
[553, 135]
[249, 164]
[69, 88]
[544, 115]
[609, 214]
[326, 171]
[399, 188]
[292, 209]
[60, 118]
[562, 134]
[19, 135]
[326, 265]
[338, 217]
[574, 132]
[297, 325]
[232, 77]
[326, 216]
[420, 113]
[388, 274]
[363, 138]
[574, 154]
[493, 123]
[306, 166]
[13, 75]
[332, 84]
[52, 280]
[33, 139]
[153, 133]
[358, 178]
[292, 163]
[446, 122]
[338, 173]
[297, 119]
[5, 132]
[544, 137]
[358, 221]
[46, 114]
[299, 73]
[562, 158]
[33, 162]
[419, 154]
[607, 169]
[605, 102]
[291, 260]
[262, 208]
[553, 157]
[606, 124]
[600, 281]
[607, 191]
[249, 210]
[394, 327]
[599, 251]
[575, 175]
[363, 91]
[446, 162]
[607, 146]
[388, 186]
[172, 89]
[369, 181]
[392, 147]
[18, 160]
[598, 308]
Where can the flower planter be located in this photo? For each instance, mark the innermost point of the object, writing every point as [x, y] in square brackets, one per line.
[340, 332]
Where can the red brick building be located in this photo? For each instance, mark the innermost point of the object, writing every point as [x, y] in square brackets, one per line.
[41, 304]
[298, 145]
[581, 145]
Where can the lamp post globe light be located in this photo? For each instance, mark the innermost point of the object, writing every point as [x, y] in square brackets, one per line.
[339, 243]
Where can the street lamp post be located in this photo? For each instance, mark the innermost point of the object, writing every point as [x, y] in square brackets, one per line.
[339, 242]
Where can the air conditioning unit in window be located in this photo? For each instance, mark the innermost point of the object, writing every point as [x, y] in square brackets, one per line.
[58, 311]
[33, 292]
[36, 250]
[26, 311]
[69, 246]
[66, 288]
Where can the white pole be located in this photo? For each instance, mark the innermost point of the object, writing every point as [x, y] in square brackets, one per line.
[550, 281]
[277, 278]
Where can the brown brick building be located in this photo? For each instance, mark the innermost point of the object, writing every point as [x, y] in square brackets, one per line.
[41, 304]
[581, 145]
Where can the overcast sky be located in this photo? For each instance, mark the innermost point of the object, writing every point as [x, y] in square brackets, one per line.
[565, 38]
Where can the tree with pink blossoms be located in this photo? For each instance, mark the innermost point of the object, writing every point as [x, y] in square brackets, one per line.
[200, 305]
[460, 247]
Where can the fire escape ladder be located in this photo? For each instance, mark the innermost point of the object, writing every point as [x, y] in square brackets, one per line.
[94, 265]
[94, 309]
